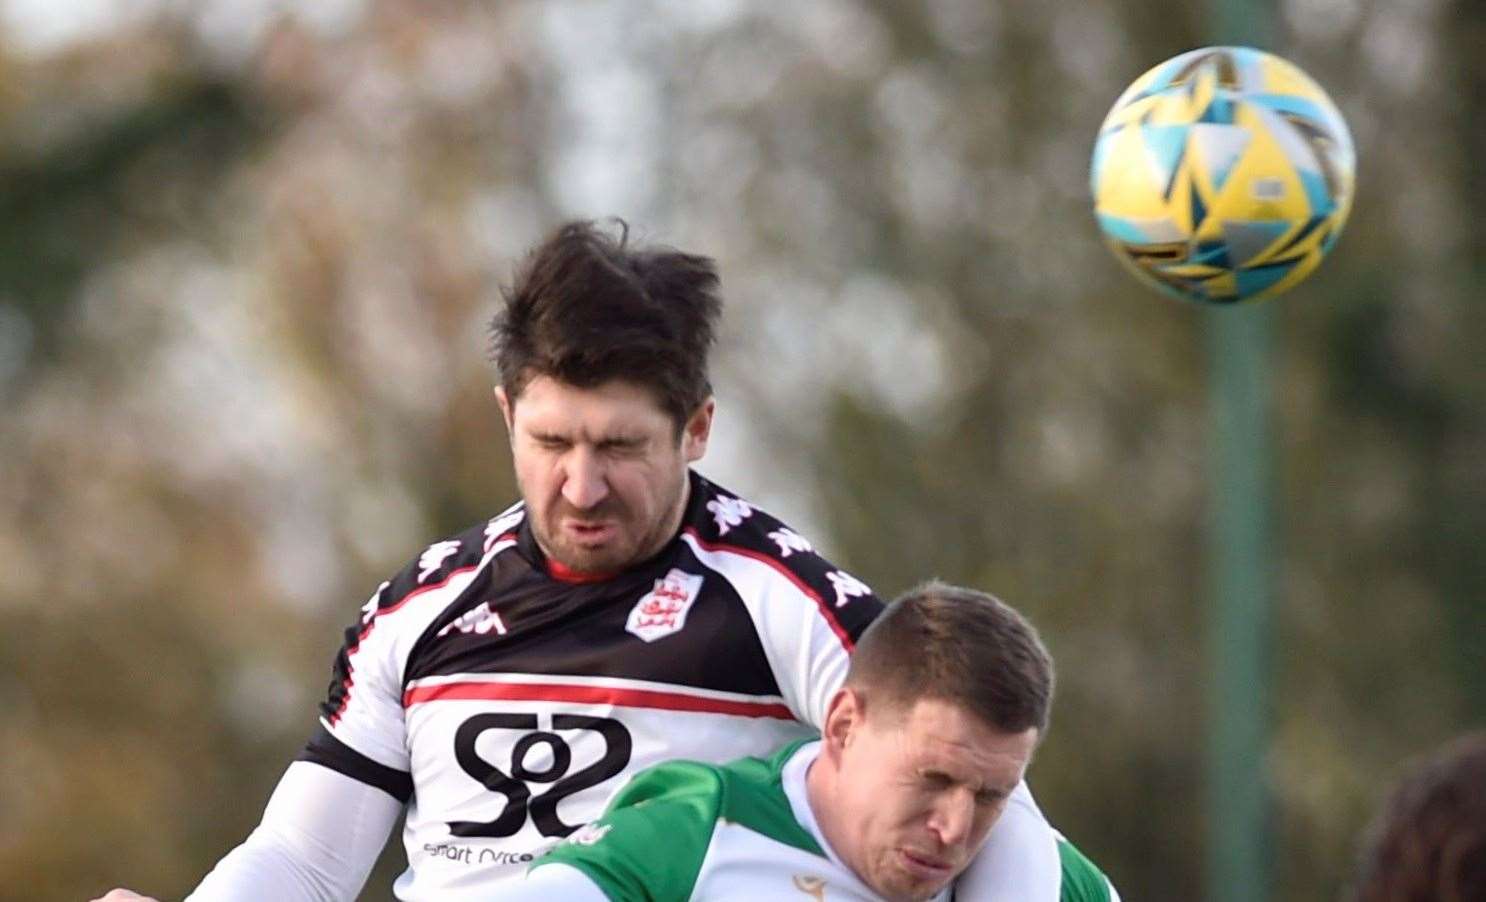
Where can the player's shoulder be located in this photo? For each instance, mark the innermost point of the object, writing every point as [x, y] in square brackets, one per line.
[723, 517]
[722, 524]
[444, 560]
[1082, 880]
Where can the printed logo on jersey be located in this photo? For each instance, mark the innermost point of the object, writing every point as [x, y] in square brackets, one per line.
[728, 512]
[500, 526]
[475, 855]
[811, 885]
[662, 611]
[790, 541]
[537, 757]
[369, 610]
[432, 559]
[847, 587]
[479, 621]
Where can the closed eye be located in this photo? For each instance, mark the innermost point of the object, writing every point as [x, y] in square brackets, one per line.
[621, 445]
[936, 779]
[551, 442]
[990, 796]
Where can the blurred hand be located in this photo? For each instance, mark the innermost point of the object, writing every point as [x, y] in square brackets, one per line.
[124, 895]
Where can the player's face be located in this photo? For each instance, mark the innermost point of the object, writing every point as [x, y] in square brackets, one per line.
[919, 791]
[603, 474]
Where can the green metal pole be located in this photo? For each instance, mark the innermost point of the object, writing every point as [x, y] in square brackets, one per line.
[1240, 563]
[1241, 578]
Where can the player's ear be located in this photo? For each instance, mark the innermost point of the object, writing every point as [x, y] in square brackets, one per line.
[504, 403]
[697, 430]
[843, 717]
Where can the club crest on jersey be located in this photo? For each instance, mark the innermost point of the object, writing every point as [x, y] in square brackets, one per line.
[662, 611]
[811, 885]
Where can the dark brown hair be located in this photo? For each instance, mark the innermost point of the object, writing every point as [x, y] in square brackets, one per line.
[961, 646]
[586, 308]
[1429, 842]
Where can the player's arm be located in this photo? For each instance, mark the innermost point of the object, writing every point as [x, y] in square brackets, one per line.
[334, 808]
[319, 838]
[320, 835]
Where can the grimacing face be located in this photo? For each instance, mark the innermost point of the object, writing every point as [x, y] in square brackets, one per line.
[918, 789]
[601, 470]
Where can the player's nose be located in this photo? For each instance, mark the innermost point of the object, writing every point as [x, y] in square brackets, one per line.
[585, 483]
[952, 819]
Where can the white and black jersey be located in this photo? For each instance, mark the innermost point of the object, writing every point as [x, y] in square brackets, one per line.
[505, 704]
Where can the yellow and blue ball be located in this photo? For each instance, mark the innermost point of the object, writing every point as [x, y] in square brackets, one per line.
[1222, 175]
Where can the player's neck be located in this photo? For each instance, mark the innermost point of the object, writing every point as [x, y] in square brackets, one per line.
[671, 525]
[821, 780]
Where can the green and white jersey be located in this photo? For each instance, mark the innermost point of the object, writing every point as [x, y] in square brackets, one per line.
[740, 831]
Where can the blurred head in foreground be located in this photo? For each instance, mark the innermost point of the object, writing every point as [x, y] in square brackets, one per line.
[1429, 842]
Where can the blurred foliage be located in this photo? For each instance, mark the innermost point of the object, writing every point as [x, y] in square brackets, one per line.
[246, 261]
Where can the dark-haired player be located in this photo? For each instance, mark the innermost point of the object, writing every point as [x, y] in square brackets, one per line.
[627, 611]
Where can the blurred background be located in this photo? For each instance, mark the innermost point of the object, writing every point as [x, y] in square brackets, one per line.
[249, 248]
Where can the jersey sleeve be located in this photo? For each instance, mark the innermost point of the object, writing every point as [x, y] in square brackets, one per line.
[363, 733]
[1082, 879]
[808, 612]
[319, 838]
[653, 837]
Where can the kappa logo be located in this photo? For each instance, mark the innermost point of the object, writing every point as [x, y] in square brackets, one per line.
[369, 610]
[434, 557]
[811, 885]
[790, 541]
[479, 621]
[847, 587]
[662, 611]
[729, 512]
[502, 525]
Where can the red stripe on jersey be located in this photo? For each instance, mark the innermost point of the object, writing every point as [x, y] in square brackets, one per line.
[825, 609]
[366, 631]
[593, 695]
[565, 574]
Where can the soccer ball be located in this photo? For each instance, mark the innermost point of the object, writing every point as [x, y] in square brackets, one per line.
[1222, 175]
